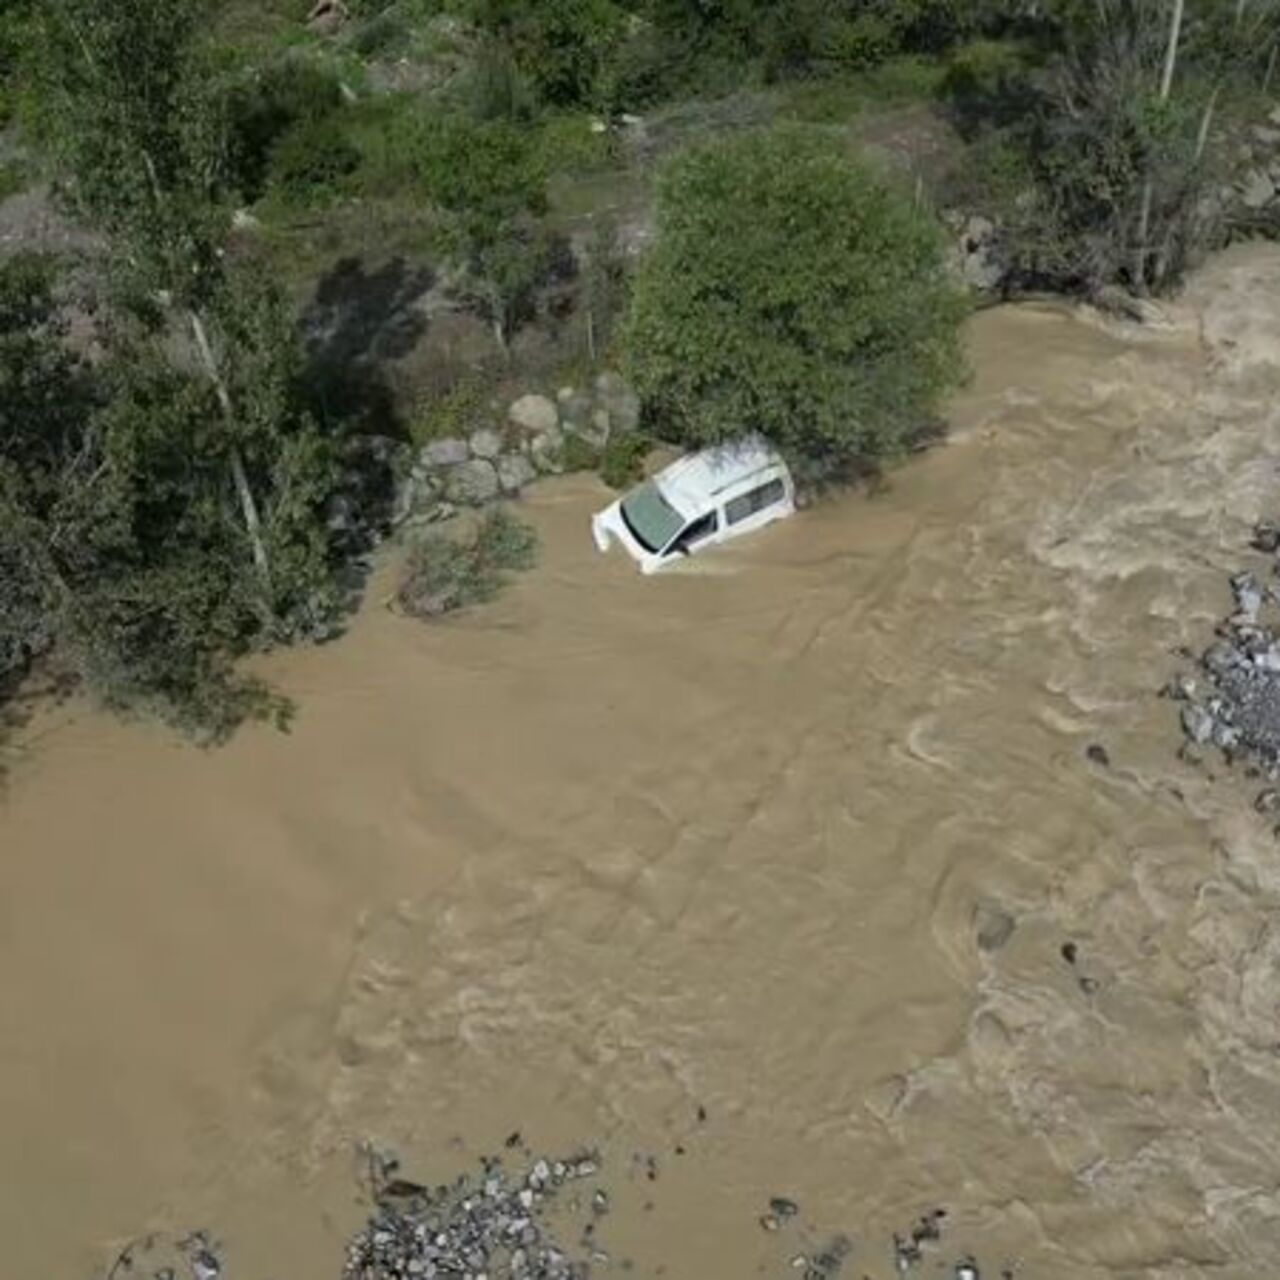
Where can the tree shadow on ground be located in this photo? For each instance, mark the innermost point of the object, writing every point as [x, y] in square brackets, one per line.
[358, 320]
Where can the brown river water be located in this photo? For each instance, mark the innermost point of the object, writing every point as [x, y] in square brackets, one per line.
[795, 834]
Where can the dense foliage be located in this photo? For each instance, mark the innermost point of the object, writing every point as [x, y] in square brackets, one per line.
[814, 310]
[123, 557]
[164, 512]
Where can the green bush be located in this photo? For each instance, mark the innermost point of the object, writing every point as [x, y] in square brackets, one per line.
[452, 414]
[310, 163]
[13, 178]
[622, 463]
[442, 574]
[384, 32]
[286, 97]
[818, 313]
[563, 47]
[986, 85]
[577, 454]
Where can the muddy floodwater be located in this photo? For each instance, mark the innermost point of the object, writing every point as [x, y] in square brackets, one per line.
[795, 834]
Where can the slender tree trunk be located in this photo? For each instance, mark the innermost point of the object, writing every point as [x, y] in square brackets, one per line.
[239, 477]
[1171, 51]
[1148, 189]
[1271, 66]
[1206, 120]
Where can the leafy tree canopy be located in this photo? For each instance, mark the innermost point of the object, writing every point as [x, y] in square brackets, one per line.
[794, 293]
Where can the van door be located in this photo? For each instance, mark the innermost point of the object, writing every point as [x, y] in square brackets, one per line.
[755, 507]
[695, 535]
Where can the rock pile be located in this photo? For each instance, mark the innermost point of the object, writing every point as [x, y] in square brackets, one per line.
[1259, 153]
[484, 1226]
[1232, 701]
[499, 460]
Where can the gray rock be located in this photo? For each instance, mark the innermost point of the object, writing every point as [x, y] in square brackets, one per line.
[1265, 136]
[486, 443]
[534, 413]
[995, 926]
[444, 453]
[1257, 189]
[514, 472]
[1197, 724]
[576, 407]
[544, 450]
[472, 483]
[619, 401]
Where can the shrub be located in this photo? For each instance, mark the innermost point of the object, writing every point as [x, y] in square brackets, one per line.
[443, 574]
[380, 34]
[577, 454]
[283, 98]
[622, 463]
[817, 313]
[309, 164]
[561, 46]
[452, 414]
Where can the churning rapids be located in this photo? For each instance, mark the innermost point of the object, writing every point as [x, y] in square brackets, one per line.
[797, 834]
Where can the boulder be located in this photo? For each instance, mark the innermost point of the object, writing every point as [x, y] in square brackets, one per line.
[619, 401]
[486, 443]
[1257, 189]
[473, 483]
[444, 453]
[327, 17]
[544, 450]
[977, 258]
[576, 407]
[514, 472]
[534, 413]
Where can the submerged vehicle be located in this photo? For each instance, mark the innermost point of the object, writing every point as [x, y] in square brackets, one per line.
[696, 502]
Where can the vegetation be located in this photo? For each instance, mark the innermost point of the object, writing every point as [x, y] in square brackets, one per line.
[817, 313]
[443, 574]
[168, 506]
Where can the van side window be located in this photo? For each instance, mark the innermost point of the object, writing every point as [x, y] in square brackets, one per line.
[754, 500]
[695, 532]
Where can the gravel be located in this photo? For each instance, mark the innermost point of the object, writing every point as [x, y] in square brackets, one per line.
[1232, 701]
[481, 1226]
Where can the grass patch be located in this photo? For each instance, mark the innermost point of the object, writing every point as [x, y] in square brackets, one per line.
[14, 178]
[838, 99]
[443, 574]
[455, 413]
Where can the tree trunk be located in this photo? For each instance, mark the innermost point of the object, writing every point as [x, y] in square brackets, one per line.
[1171, 52]
[239, 477]
[1148, 189]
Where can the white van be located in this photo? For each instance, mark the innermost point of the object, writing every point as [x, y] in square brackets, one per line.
[697, 501]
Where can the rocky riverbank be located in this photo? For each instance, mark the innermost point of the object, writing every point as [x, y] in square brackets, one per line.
[523, 1216]
[1231, 700]
[498, 459]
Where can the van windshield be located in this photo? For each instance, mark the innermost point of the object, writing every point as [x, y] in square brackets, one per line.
[652, 520]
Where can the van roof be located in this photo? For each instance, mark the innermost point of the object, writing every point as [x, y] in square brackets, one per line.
[694, 482]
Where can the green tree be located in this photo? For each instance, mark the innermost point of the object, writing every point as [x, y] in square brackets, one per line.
[143, 140]
[794, 293]
[562, 46]
[488, 181]
[121, 561]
